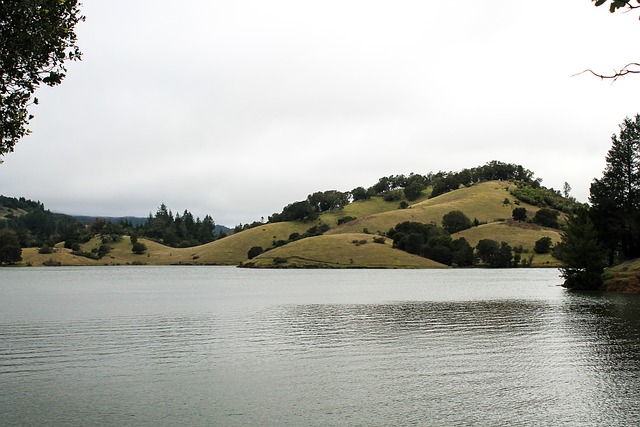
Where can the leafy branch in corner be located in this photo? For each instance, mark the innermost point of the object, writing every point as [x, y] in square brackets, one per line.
[630, 68]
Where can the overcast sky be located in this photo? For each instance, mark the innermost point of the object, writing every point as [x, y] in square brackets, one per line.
[237, 108]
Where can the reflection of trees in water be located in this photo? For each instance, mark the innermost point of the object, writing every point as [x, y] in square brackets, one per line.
[608, 327]
[608, 324]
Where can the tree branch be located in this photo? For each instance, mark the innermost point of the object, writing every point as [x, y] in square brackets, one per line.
[631, 68]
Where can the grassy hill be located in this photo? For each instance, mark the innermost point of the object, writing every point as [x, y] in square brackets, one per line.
[490, 203]
[349, 250]
[623, 278]
[484, 202]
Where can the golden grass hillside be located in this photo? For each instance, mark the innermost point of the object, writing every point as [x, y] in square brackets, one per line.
[515, 234]
[623, 278]
[366, 208]
[350, 250]
[484, 201]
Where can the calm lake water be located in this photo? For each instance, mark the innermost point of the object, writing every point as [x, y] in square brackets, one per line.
[151, 346]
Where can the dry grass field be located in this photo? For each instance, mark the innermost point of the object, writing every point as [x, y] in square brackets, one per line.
[489, 202]
[351, 250]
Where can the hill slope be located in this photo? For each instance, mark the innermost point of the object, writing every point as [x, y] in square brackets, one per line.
[488, 202]
[350, 250]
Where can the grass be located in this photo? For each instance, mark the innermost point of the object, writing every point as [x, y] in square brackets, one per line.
[483, 201]
[351, 250]
[365, 208]
[623, 278]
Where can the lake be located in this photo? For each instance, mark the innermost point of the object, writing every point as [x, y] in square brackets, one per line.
[204, 346]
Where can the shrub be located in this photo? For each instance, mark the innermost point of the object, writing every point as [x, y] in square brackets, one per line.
[455, 221]
[543, 245]
[139, 248]
[345, 219]
[519, 214]
[294, 236]
[380, 240]
[10, 250]
[254, 252]
[547, 218]
[103, 250]
[45, 249]
[393, 195]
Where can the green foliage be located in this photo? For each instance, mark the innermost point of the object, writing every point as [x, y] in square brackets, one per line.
[345, 219]
[10, 250]
[547, 218]
[431, 241]
[36, 38]
[444, 182]
[324, 201]
[393, 195]
[103, 250]
[582, 255]
[615, 197]
[294, 236]
[616, 4]
[413, 190]
[254, 252]
[175, 231]
[36, 225]
[494, 254]
[359, 193]
[316, 230]
[297, 211]
[139, 248]
[536, 195]
[455, 221]
[543, 245]
[45, 249]
[519, 214]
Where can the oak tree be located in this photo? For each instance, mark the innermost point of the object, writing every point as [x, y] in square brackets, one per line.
[37, 37]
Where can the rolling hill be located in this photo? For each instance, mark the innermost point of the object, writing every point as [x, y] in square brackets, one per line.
[348, 245]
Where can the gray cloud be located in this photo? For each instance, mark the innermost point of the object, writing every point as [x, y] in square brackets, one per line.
[237, 108]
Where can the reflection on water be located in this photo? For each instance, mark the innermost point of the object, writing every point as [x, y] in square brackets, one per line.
[220, 346]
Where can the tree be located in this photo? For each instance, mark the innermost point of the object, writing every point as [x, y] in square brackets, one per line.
[583, 257]
[413, 190]
[543, 245]
[632, 67]
[36, 38]
[254, 252]
[359, 193]
[519, 214]
[494, 254]
[455, 221]
[616, 196]
[139, 248]
[547, 218]
[10, 250]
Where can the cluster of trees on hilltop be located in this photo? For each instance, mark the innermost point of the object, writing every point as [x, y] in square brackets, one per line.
[398, 187]
[179, 230]
[494, 170]
[608, 232]
[34, 225]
